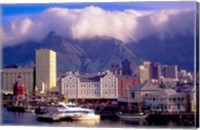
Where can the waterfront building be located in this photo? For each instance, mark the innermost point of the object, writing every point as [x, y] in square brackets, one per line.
[124, 84]
[159, 99]
[126, 67]
[89, 86]
[46, 70]
[136, 95]
[190, 94]
[167, 100]
[9, 77]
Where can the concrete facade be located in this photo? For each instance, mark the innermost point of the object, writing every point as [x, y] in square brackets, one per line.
[9, 77]
[45, 70]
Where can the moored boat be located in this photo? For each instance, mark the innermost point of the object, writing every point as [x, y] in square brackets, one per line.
[132, 116]
[29, 110]
[68, 112]
[87, 114]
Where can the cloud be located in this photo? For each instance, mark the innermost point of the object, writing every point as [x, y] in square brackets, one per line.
[127, 25]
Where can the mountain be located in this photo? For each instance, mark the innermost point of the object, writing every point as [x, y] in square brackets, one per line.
[89, 55]
[177, 50]
[99, 53]
[106, 51]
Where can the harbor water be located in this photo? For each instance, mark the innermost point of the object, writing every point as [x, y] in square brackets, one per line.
[30, 119]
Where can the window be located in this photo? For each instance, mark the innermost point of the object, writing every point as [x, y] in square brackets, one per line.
[133, 95]
[178, 106]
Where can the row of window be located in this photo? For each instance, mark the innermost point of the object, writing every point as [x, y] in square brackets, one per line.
[108, 93]
[89, 85]
[178, 106]
[108, 85]
[169, 99]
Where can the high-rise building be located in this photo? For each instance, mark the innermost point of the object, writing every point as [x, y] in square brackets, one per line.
[150, 71]
[45, 70]
[126, 67]
[170, 71]
[155, 71]
[116, 70]
[144, 73]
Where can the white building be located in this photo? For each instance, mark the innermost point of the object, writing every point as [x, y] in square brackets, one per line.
[167, 100]
[190, 94]
[45, 70]
[160, 100]
[9, 77]
[98, 86]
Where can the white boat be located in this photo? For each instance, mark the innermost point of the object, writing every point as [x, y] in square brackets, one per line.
[70, 111]
[130, 116]
[29, 110]
[87, 114]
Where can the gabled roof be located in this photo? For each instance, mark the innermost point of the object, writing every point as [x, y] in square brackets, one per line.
[188, 90]
[90, 78]
[146, 87]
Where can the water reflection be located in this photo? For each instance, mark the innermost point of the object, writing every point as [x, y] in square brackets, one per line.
[14, 118]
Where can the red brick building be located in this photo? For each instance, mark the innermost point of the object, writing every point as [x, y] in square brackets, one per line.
[125, 82]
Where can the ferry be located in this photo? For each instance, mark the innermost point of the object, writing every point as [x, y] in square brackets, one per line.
[70, 112]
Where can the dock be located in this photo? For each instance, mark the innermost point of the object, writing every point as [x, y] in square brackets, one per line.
[171, 116]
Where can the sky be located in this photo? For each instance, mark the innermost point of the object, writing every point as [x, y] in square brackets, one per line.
[22, 22]
[12, 9]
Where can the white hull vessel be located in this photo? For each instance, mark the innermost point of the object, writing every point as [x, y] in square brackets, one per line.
[70, 111]
[132, 116]
[86, 117]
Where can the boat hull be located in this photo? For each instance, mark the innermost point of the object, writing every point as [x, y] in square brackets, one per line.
[132, 117]
[86, 117]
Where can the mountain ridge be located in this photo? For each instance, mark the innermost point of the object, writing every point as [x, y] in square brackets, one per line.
[99, 53]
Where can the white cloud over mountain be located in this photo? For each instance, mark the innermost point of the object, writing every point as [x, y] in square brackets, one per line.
[127, 25]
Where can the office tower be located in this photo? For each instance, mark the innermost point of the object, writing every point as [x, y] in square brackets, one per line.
[115, 69]
[170, 71]
[144, 73]
[155, 71]
[45, 70]
[126, 67]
